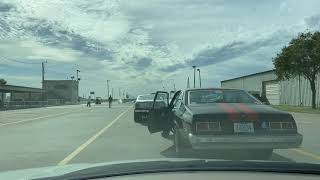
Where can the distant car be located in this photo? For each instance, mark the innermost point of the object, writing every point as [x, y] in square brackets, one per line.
[98, 100]
[143, 104]
[224, 119]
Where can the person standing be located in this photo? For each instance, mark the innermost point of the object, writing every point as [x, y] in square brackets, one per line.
[110, 99]
[89, 102]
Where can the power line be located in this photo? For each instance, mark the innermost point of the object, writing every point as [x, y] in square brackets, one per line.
[56, 72]
[21, 62]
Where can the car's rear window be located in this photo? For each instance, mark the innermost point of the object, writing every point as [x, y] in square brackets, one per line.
[220, 96]
[146, 97]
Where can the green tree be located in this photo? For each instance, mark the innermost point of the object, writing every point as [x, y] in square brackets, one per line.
[3, 82]
[300, 58]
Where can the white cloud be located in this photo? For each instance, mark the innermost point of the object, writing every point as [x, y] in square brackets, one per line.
[109, 24]
[29, 50]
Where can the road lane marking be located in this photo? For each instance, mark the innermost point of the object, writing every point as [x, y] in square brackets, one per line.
[306, 153]
[89, 141]
[37, 118]
[304, 122]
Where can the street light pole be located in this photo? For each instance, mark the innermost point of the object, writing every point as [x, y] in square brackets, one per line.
[108, 88]
[77, 85]
[78, 79]
[194, 76]
[199, 77]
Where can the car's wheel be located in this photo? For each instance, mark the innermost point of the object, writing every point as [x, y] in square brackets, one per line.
[179, 145]
[263, 154]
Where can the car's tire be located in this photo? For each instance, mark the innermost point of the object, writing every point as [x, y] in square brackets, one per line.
[179, 145]
[137, 118]
[262, 154]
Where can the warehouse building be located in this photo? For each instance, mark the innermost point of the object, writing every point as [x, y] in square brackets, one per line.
[295, 92]
[66, 90]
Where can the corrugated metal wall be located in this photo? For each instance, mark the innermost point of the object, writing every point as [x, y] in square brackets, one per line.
[250, 83]
[291, 94]
[289, 90]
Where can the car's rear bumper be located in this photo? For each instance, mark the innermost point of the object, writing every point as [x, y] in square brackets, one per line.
[245, 142]
[141, 111]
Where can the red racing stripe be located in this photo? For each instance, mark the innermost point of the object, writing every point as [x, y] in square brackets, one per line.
[233, 114]
[253, 115]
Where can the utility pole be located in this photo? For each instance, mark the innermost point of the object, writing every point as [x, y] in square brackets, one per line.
[43, 73]
[112, 92]
[119, 93]
[108, 87]
[43, 86]
[188, 83]
[194, 76]
[199, 77]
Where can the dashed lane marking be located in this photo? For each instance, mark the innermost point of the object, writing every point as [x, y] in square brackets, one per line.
[306, 153]
[92, 139]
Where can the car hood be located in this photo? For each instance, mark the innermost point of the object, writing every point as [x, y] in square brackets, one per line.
[238, 111]
[60, 170]
[85, 171]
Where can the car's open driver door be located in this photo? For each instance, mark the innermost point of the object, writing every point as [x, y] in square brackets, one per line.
[159, 117]
[159, 112]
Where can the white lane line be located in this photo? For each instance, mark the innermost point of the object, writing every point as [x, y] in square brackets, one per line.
[304, 122]
[89, 141]
[37, 118]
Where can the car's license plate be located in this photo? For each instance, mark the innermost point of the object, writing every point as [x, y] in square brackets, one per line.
[243, 127]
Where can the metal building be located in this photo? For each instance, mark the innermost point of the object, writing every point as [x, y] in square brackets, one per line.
[66, 90]
[292, 92]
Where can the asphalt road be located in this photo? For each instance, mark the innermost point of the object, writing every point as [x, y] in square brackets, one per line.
[63, 135]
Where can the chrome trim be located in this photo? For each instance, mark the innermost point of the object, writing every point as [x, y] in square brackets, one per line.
[141, 110]
[244, 141]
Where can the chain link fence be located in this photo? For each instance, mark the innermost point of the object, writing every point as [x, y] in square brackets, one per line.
[8, 105]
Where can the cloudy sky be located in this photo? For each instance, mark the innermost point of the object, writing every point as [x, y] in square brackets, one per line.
[144, 45]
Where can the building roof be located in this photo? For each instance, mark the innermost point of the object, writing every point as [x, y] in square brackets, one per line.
[263, 72]
[11, 88]
[56, 80]
[195, 89]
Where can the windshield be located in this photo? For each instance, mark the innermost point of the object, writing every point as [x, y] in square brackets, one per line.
[234, 79]
[220, 96]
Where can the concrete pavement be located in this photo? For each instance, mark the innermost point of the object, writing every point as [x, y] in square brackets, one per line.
[76, 134]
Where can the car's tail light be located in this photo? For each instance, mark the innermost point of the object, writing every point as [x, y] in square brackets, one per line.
[208, 126]
[281, 125]
[137, 105]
